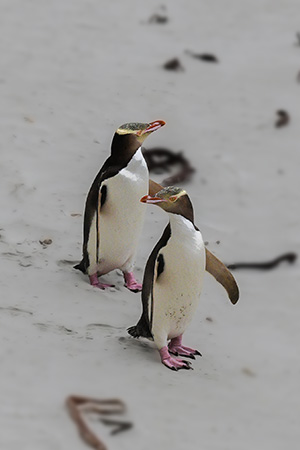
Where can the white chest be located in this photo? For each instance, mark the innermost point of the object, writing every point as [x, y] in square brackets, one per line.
[177, 290]
[124, 191]
[122, 216]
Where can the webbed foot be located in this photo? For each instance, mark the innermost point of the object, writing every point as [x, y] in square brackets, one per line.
[175, 346]
[96, 283]
[131, 283]
[173, 363]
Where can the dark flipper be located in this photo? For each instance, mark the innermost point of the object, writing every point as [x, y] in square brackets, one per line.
[220, 272]
[154, 188]
[95, 201]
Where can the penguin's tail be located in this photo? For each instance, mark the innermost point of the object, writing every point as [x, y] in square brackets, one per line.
[133, 331]
[141, 329]
[80, 266]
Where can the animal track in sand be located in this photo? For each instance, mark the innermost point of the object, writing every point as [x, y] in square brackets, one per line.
[23, 261]
[61, 329]
[102, 325]
[13, 310]
[66, 262]
[25, 253]
[132, 343]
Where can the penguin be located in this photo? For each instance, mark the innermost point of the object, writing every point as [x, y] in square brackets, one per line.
[114, 216]
[173, 280]
[214, 266]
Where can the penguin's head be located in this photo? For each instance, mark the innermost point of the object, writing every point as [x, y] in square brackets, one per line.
[139, 130]
[129, 137]
[173, 200]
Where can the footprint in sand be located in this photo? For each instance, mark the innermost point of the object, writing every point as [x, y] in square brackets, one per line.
[14, 311]
[61, 329]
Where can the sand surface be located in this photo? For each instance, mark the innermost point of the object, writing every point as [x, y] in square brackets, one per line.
[71, 72]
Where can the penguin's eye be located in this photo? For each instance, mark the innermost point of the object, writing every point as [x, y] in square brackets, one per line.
[173, 198]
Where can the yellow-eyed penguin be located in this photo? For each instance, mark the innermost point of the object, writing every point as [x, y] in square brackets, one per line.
[114, 216]
[173, 279]
[213, 265]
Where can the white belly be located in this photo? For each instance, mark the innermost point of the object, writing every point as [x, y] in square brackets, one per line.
[177, 291]
[122, 216]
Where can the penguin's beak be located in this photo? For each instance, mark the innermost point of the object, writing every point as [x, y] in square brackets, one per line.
[152, 126]
[151, 200]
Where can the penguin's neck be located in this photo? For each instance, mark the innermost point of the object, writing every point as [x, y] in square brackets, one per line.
[136, 169]
[180, 225]
[123, 148]
[136, 159]
[184, 210]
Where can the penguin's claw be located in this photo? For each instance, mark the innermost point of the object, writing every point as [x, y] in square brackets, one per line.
[172, 363]
[176, 348]
[177, 364]
[134, 287]
[185, 354]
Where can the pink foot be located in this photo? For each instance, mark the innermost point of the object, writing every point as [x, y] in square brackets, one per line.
[131, 283]
[172, 363]
[175, 346]
[96, 283]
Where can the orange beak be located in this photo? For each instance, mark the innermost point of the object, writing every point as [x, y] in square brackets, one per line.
[151, 200]
[153, 126]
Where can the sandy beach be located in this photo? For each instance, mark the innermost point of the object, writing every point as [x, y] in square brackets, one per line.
[71, 73]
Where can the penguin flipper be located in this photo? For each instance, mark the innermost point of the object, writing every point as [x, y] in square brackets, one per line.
[220, 272]
[95, 200]
[154, 187]
[91, 232]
